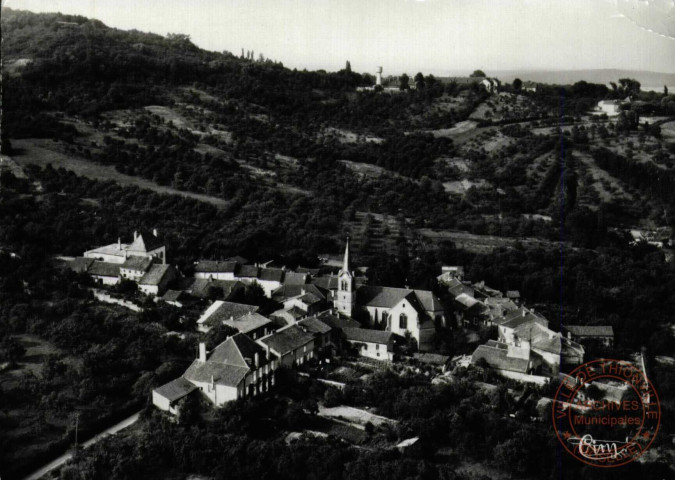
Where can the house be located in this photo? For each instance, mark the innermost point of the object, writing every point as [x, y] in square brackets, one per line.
[609, 107]
[156, 279]
[376, 344]
[293, 345]
[529, 86]
[211, 289]
[601, 334]
[529, 345]
[236, 368]
[144, 245]
[177, 298]
[491, 85]
[290, 290]
[322, 332]
[220, 311]
[104, 273]
[209, 269]
[134, 268]
[307, 302]
[168, 397]
[450, 272]
[252, 324]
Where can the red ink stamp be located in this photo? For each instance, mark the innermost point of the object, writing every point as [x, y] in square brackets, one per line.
[606, 413]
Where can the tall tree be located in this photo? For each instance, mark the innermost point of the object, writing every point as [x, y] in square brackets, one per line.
[517, 84]
[405, 82]
[478, 73]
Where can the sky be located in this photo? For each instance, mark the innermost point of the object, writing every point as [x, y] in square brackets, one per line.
[432, 36]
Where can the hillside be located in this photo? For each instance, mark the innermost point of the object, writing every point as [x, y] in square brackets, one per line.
[292, 161]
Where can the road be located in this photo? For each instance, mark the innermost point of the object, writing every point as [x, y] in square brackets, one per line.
[67, 456]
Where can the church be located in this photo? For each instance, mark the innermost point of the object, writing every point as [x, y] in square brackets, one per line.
[399, 310]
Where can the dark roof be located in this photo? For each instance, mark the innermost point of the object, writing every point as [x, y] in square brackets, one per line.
[388, 297]
[228, 310]
[310, 299]
[104, 269]
[248, 322]
[155, 275]
[212, 266]
[229, 362]
[287, 339]
[498, 358]
[326, 282]
[314, 325]
[520, 317]
[311, 271]
[176, 389]
[271, 274]
[137, 263]
[199, 287]
[590, 330]
[81, 264]
[295, 278]
[287, 291]
[249, 271]
[145, 242]
[337, 321]
[237, 258]
[174, 296]
[367, 335]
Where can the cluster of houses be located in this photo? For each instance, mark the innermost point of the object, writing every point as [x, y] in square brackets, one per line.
[321, 314]
[526, 349]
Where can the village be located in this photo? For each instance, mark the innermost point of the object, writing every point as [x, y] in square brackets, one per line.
[325, 317]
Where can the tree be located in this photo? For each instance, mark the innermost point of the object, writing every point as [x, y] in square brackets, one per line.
[419, 81]
[405, 82]
[665, 90]
[478, 73]
[348, 67]
[517, 84]
[11, 350]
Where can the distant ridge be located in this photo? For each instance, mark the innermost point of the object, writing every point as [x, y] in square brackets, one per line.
[649, 80]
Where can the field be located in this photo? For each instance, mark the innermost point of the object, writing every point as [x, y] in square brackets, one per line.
[42, 152]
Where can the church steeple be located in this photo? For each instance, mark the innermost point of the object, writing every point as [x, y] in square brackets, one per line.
[345, 263]
[345, 297]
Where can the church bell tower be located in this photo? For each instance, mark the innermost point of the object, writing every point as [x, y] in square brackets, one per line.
[345, 298]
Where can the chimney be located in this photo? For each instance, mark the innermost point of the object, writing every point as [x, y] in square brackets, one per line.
[119, 243]
[257, 359]
[202, 352]
[154, 232]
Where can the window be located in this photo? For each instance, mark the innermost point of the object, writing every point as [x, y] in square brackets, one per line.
[403, 321]
[344, 285]
[377, 347]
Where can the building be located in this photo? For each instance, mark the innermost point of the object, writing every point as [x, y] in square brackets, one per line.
[156, 280]
[526, 345]
[323, 333]
[237, 368]
[401, 311]
[144, 245]
[251, 324]
[221, 311]
[600, 334]
[293, 345]
[168, 397]
[376, 344]
[610, 107]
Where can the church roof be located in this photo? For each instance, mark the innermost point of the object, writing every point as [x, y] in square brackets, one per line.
[388, 297]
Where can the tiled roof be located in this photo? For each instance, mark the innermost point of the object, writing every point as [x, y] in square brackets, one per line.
[199, 287]
[520, 317]
[238, 350]
[81, 264]
[287, 291]
[212, 266]
[314, 325]
[388, 297]
[174, 295]
[591, 330]
[287, 339]
[337, 321]
[295, 278]
[248, 322]
[221, 374]
[310, 299]
[104, 269]
[176, 389]
[248, 271]
[325, 282]
[226, 310]
[271, 274]
[137, 263]
[154, 275]
[367, 335]
[145, 242]
[498, 358]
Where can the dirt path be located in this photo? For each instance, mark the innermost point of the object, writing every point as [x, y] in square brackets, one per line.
[41, 152]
